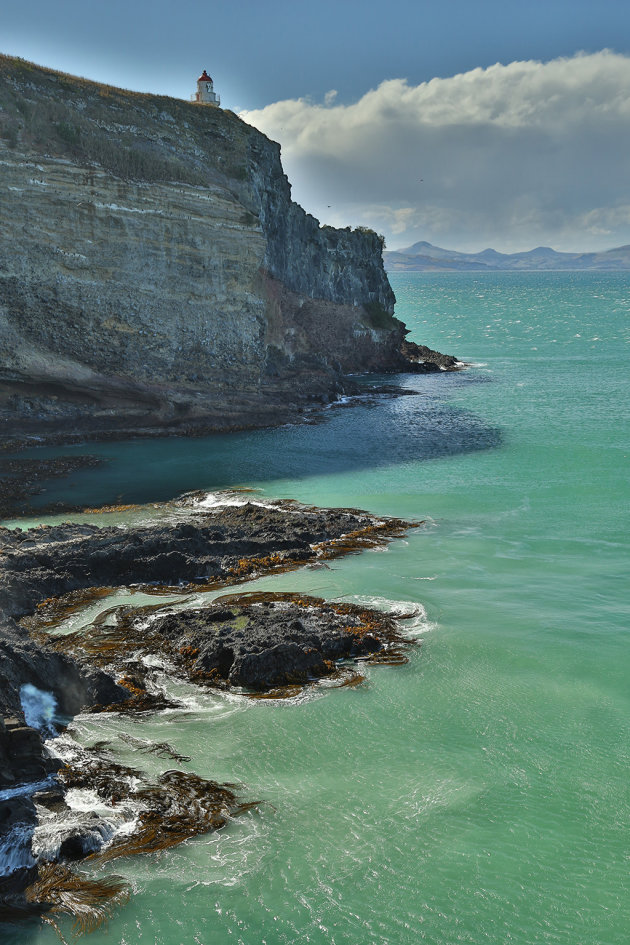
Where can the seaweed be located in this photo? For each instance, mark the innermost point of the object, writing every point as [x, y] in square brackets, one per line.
[248, 566]
[388, 658]
[278, 692]
[110, 780]
[178, 807]
[63, 891]
[156, 748]
[53, 610]
[374, 535]
[100, 745]
[351, 681]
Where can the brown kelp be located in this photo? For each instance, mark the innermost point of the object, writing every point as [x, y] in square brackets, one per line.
[90, 902]
[160, 814]
[112, 781]
[154, 748]
[180, 806]
[374, 535]
[53, 610]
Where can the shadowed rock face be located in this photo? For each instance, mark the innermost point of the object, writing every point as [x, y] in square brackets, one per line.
[156, 273]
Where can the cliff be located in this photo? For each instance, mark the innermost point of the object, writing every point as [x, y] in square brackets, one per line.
[155, 273]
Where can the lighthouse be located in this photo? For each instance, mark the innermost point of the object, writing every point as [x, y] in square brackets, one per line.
[205, 93]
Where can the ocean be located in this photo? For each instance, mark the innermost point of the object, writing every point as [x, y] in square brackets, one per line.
[480, 792]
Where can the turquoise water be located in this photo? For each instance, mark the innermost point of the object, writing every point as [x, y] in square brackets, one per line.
[480, 793]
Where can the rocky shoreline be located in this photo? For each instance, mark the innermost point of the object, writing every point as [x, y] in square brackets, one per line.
[263, 644]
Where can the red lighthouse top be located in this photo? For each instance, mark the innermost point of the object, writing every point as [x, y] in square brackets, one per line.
[204, 77]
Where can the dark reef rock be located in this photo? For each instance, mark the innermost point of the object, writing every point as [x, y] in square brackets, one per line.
[429, 360]
[273, 640]
[49, 561]
[256, 641]
[203, 549]
[21, 757]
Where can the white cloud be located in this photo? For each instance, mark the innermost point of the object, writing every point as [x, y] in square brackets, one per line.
[510, 156]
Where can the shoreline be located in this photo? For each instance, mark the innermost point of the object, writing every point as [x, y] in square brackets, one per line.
[20, 432]
[21, 476]
[49, 572]
[290, 642]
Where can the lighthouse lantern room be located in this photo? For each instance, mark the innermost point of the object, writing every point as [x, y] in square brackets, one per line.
[205, 93]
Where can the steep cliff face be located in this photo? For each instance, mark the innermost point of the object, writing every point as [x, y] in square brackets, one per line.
[155, 273]
[337, 265]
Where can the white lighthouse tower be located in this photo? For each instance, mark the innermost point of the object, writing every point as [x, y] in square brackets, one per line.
[205, 93]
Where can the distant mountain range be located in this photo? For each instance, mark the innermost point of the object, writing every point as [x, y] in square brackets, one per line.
[424, 257]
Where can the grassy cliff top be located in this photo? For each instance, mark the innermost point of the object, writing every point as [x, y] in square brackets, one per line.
[133, 135]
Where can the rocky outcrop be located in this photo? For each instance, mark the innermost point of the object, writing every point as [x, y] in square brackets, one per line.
[155, 273]
[203, 548]
[430, 359]
[22, 662]
[44, 680]
[274, 640]
[21, 757]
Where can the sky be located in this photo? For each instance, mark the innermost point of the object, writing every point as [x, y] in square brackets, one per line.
[466, 124]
